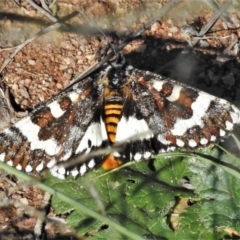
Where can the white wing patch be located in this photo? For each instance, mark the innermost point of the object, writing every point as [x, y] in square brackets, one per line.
[95, 135]
[213, 138]
[175, 93]
[73, 96]
[74, 173]
[158, 85]
[222, 133]
[2, 156]
[137, 157]
[56, 110]
[55, 173]
[91, 163]
[39, 168]
[132, 129]
[83, 169]
[147, 155]
[229, 126]
[203, 141]
[30, 131]
[235, 116]
[199, 108]
[163, 140]
[51, 163]
[192, 143]
[66, 156]
[180, 143]
[28, 168]
[19, 167]
[62, 170]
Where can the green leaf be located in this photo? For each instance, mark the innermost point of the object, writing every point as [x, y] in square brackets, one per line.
[140, 198]
[135, 197]
[219, 191]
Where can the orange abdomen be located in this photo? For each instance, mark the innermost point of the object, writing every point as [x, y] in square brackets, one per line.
[112, 116]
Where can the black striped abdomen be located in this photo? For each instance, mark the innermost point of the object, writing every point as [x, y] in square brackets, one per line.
[112, 112]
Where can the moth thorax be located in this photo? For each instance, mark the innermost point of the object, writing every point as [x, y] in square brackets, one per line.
[117, 78]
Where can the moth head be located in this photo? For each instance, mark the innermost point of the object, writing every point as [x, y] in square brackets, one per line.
[116, 73]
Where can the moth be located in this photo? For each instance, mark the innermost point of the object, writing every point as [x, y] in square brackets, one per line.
[144, 112]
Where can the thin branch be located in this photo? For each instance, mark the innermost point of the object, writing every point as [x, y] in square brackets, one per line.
[43, 11]
[19, 47]
[39, 34]
[208, 26]
[215, 8]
